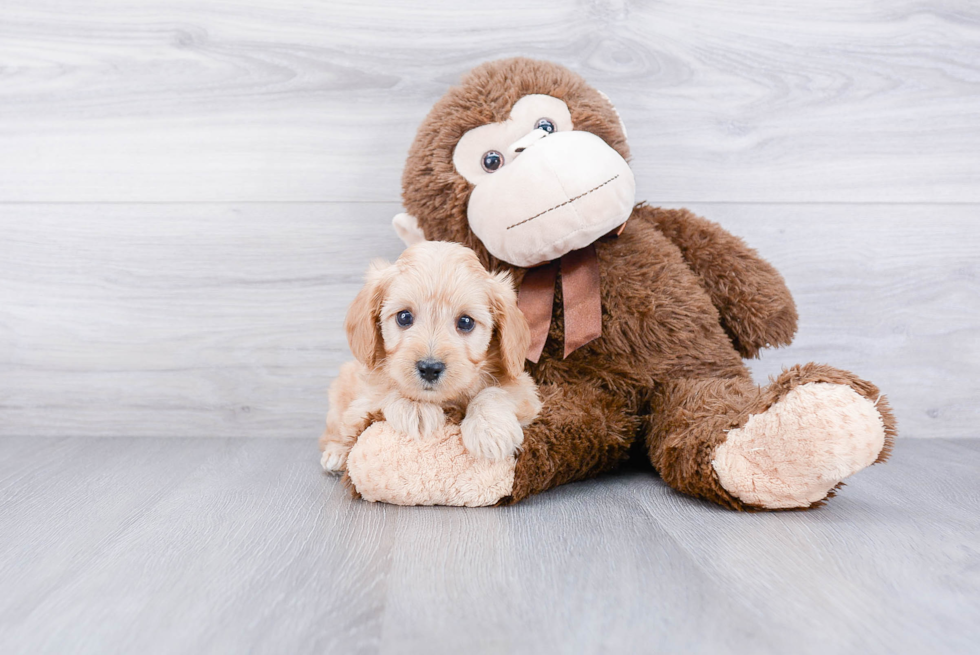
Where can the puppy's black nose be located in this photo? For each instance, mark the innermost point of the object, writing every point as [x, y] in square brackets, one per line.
[430, 369]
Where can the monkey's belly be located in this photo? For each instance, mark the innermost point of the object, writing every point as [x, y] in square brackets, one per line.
[391, 467]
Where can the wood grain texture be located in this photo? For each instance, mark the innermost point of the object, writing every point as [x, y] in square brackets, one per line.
[243, 545]
[173, 100]
[178, 320]
[891, 293]
[226, 320]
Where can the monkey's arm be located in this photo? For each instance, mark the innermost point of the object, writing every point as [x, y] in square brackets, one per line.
[757, 310]
[580, 432]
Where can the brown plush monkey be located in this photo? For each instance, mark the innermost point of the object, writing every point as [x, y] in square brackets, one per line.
[643, 315]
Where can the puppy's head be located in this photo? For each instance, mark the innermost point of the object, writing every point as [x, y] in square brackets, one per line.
[437, 323]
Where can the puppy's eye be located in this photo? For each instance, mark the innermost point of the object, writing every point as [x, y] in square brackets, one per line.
[465, 324]
[545, 124]
[404, 318]
[492, 160]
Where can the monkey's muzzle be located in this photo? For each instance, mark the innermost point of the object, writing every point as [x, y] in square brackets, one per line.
[562, 193]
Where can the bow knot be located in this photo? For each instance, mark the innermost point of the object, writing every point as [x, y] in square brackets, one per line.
[581, 301]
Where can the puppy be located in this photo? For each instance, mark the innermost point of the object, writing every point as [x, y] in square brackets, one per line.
[431, 333]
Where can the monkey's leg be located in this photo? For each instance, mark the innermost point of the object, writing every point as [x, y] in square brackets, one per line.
[785, 445]
[580, 432]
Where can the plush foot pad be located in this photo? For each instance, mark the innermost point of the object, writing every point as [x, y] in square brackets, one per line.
[391, 467]
[799, 449]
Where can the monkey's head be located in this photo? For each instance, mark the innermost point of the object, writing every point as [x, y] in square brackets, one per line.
[522, 162]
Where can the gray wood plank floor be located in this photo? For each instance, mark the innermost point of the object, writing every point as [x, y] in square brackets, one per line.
[241, 545]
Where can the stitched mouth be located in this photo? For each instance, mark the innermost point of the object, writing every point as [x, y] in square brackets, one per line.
[567, 202]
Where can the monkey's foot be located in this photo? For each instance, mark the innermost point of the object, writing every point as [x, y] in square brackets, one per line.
[797, 451]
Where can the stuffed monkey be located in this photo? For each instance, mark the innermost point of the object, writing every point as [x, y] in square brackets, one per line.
[640, 316]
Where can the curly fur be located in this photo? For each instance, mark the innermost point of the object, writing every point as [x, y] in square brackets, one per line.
[437, 283]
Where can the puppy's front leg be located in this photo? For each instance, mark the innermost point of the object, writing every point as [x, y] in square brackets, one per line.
[524, 394]
[342, 433]
[491, 428]
[416, 419]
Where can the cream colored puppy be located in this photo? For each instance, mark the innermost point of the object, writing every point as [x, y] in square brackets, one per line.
[434, 332]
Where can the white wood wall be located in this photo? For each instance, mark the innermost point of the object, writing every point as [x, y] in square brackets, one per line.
[191, 189]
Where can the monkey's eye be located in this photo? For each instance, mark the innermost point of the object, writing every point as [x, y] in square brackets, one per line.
[545, 124]
[465, 324]
[492, 160]
[404, 318]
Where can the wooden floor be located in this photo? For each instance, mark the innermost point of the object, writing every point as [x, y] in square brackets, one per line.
[241, 545]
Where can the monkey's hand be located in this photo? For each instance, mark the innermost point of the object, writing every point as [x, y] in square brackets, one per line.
[755, 306]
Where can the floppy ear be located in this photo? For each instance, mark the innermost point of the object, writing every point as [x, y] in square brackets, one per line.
[363, 322]
[511, 334]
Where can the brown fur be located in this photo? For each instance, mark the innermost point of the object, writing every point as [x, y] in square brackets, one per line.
[432, 189]
[682, 302]
[703, 411]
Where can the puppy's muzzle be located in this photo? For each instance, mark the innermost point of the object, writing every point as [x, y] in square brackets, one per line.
[430, 369]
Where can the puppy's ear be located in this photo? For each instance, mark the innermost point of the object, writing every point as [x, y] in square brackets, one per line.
[511, 334]
[363, 322]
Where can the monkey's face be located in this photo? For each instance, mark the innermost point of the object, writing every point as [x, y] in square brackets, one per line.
[523, 161]
[541, 187]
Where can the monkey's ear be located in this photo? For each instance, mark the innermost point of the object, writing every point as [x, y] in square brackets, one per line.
[622, 125]
[407, 228]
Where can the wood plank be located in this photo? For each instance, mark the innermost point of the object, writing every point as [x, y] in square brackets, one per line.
[187, 545]
[557, 577]
[844, 579]
[170, 320]
[170, 100]
[226, 320]
[235, 545]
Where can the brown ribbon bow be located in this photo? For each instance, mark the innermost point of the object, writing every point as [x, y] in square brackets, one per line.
[580, 300]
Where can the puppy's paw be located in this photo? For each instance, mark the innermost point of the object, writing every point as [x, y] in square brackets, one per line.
[334, 458]
[413, 418]
[491, 432]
